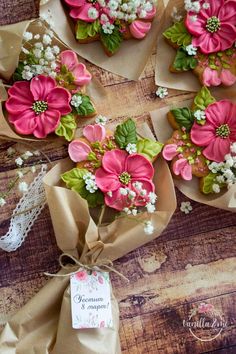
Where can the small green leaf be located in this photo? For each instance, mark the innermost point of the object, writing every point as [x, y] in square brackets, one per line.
[183, 61]
[149, 148]
[85, 29]
[74, 181]
[208, 182]
[203, 99]
[66, 127]
[178, 34]
[86, 107]
[183, 117]
[17, 76]
[112, 41]
[126, 133]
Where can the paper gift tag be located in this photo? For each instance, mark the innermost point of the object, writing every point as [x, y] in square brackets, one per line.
[90, 299]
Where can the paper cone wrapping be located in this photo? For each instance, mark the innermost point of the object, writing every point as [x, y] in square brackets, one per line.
[224, 200]
[10, 50]
[132, 51]
[44, 324]
[186, 81]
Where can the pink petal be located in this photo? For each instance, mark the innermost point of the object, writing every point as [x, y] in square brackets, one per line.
[202, 135]
[21, 89]
[41, 86]
[230, 111]
[69, 59]
[59, 99]
[227, 12]
[78, 151]
[148, 186]
[107, 181]
[179, 165]
[24, 123]
[214, 8]
[18, 105]
[217, 113]
[208, 42]
[139, 29]
[82, 13]
[186, 172]
[47, 123]
[227, 35]
[195, 27]
[217, 149]
[114, 161]
[227, 78]
[139, 167]
[117, 201]
[170, 151]
[94, 133]
[211, 77]
[151, 14]
[81, 75]
[75, 3]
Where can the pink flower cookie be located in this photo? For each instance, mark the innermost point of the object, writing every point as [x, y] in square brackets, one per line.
[205, 41]
[204, 144]
[111, 21]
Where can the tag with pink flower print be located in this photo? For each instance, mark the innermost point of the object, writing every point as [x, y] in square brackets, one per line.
[90, 299]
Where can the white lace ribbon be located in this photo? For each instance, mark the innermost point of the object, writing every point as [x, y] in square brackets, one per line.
[25, 214]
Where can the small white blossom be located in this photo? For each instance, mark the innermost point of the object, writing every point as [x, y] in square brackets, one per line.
[148, 228]
[161, 92]
[37, 36]
[27, 154]
[10, 151]
[93, 13]
[123, 191]
[102, 120]
[131, 148]
[143, 192]
[49, 56]
[152, 197]
[108, 27]
[56, 49]
[38, 45]
[186, 207]
[2, 202]
[76, 100]
[191, 50]
[134, 212]
[199, 115]
[132, 194]
[150, 208]
[206, 5]
[23, 187]
[19, 161]
[216, 188]
[138, 185]
[127, 211]
[27, 36]
[27, 75]
[193, 18]
[47, 39]
[37, 53]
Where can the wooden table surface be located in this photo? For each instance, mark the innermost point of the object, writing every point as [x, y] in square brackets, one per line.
[193, 261]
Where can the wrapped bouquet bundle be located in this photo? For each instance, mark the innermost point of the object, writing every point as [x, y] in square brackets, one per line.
[48, 91]
[202, 35]
[121, 170]
[127, 31]
[200, 144]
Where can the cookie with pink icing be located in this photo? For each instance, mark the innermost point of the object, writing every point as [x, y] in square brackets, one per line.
[205, 41]
[111, 21]
[204, 141]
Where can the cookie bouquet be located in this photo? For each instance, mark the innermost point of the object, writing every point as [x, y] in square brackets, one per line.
[47, 94]
[111, 22]
[201, 148]
[115, 195]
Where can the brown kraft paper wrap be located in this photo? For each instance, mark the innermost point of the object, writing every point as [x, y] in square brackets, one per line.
[224, 200]
[95, 90]
[132, 51]
[186, 81]
[43, 325]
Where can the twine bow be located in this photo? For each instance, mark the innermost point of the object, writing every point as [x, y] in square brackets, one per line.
[104, 265]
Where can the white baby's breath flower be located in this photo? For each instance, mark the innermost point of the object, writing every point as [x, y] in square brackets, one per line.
[27, 36]
[199, 115]
[19, 161]
[10, 151]
[193, 18]
[127, 211]
[152, 197]
[2, 202]
[148, 228]
[49, 56]
[132, 194]
[37, 36]
[131, 148]
[138, 185]
[134, 212]
[206, 5]
[93, 13]
[56, 49]
[161, 92]
[102, 120]
[23, 187]
[76, 100]
[191, 50]
[27, 75]
[216, 188]
[150, 208]
[186, 207]
[108, 27]
[38, 45]
[47, 39]
[123, 191]
[26, 155]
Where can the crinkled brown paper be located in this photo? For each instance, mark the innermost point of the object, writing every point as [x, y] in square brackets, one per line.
[132, 56]
[224, 200]
[186, 81]
[44, 325]
[10, 49]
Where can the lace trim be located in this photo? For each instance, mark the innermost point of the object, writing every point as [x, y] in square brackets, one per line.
[25, 214]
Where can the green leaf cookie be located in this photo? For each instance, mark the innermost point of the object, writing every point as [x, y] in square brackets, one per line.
[203, 99]
[183, 117]
[183, 61]
[126, 134]
[85, 29]
[112, 41]
[178, 34]
[149, 148]
[66, 127]
[86, 107]
[208, 182]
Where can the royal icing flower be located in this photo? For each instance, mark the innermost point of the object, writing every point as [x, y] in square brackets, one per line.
[120, 171]
[183, 168]
[214, 27]
[204, 308]
[36, 107]
[219, 131]
[80, 75]
[79, 150]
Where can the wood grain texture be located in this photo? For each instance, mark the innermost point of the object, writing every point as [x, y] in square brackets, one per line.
[194, 260]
